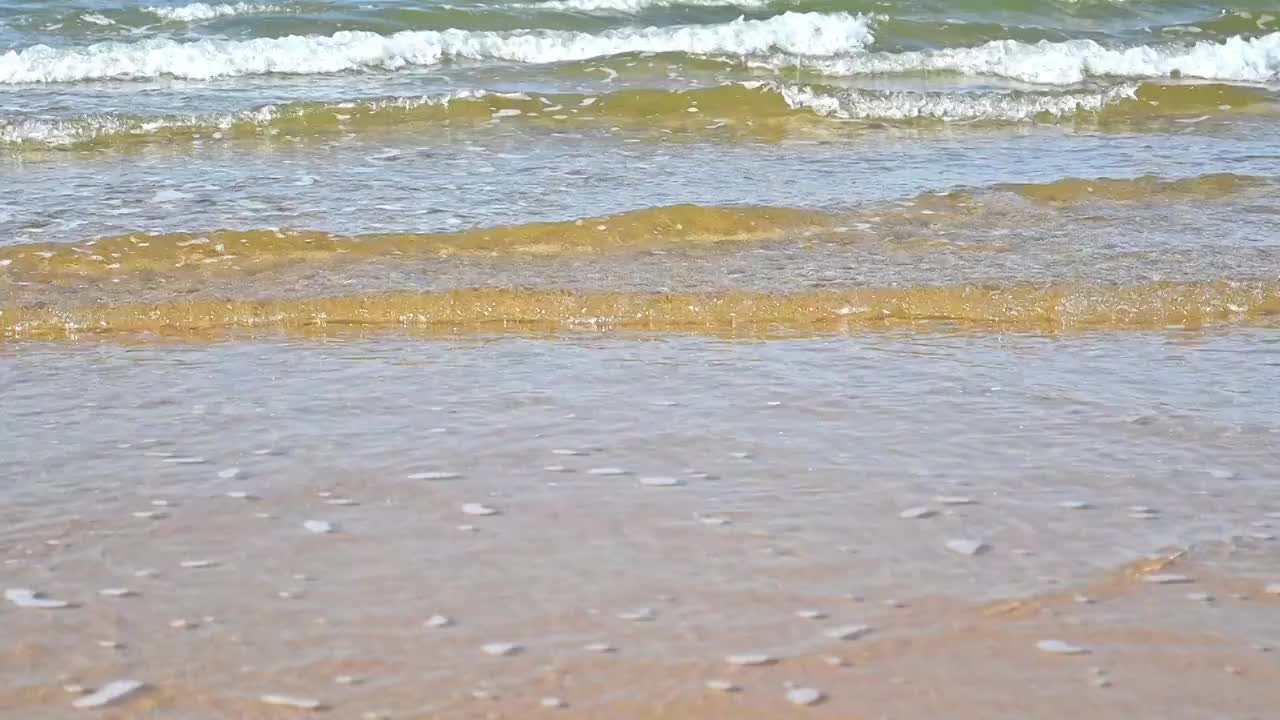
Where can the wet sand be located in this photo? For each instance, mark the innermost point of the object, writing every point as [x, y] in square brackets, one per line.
[1153, 650]
[784, 527]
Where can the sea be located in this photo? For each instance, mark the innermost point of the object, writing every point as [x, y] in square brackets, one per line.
[652, 359]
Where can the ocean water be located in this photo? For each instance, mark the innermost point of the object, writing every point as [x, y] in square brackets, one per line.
[748, 321]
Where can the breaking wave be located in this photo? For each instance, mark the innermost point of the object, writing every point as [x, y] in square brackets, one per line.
[790, 33]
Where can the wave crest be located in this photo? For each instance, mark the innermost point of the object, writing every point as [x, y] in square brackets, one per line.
[197, 12]
[760, 109]
[790, 33]
[1236, 59]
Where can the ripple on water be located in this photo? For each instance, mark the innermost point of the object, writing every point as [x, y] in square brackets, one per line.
[435, 475]
[848, 632]
[639, 615]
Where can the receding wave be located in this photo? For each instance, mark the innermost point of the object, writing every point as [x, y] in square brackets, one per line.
[677, 225]
[1236, 59]
[792, 33]
[754, 108]
[1052, 307]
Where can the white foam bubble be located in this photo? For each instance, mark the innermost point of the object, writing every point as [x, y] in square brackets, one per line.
[812, 34]
[1069, 62]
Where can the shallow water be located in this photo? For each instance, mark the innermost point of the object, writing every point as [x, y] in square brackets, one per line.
[794, 459]
[778, 272]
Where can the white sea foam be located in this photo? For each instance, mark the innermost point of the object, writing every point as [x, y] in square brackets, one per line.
[959, 106]
[638, 6]
[87, 128]
[813, 34]
[1063, 63]
[97, 19]
[197, 12]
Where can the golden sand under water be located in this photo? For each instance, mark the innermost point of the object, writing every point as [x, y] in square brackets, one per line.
[68, 289]
[678, 225]
[1147, 187]
[1075, 306]
[672, 227]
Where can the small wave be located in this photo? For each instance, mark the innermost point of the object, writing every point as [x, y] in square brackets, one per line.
[674, 226]
[1066, 306]
[750, 106]
[1064, 63]
[1009, 107]
[234, 250]
[197, 12]
[791, 33]
[1141, 189]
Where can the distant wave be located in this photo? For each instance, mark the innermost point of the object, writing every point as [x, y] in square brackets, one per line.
[196, 12]
[1063, 63]
[791, 33]
[638, 6]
